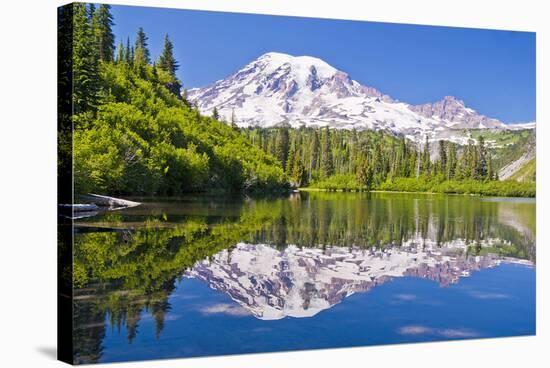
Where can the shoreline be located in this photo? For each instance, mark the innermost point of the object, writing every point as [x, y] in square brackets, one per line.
[308, 189]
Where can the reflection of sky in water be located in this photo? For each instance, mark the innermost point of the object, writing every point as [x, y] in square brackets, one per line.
[490, 303]
[301, 282]
[211, 276]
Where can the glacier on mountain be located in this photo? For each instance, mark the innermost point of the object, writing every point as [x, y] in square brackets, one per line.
[301, 91]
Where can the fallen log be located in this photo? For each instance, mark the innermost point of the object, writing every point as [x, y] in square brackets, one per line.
[91, 204]
[106, 201]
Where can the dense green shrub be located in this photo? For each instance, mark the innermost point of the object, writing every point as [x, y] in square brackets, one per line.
[508, 188]
[145, 140]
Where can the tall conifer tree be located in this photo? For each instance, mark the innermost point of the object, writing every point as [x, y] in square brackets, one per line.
[120, 55]
[426, 163]
[85, 68]
[128, 53]
[168, 63]
[215, 114]
[282, 145]
[141, 50]
[166, 60]
[102, 23]
[327, 165]
[442, 157]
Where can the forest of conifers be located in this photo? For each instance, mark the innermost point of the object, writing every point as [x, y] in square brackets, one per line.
[135, 133]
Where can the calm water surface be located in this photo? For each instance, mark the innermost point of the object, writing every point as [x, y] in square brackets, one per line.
[210, 275]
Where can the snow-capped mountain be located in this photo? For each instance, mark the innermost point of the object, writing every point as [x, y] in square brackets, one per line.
[278, 88]
[301, 282]
[456, 115]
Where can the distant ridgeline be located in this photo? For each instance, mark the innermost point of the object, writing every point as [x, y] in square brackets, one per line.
[135, 134]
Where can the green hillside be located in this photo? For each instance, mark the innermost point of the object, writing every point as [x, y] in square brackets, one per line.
[507, 145]
[142, 139]
[527, 172]
[134, 133]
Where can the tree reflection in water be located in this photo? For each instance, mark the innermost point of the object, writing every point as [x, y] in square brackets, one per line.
[128, 262]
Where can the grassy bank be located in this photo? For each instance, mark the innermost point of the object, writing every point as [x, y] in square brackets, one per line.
[508, 188]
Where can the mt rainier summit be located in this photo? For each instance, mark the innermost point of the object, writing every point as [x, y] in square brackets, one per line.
[301, 91]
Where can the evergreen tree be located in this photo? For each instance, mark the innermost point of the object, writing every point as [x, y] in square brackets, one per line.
[462, 171]
[418, 163]
[327, 166]
[481, 159]
[442, 157]
[233, 118]
[314, 158]
[426, 163]
[168, 63]
[403, 169]
[451, 161]
[298, 174]
[105, 39]
[291, 158]
[155, 74]
[166, 60]
[365, 175]
[185, 98]
[90, 14]
[128, 53]
[215, 114]
[142, 55]
[490, 169]
[120, 54]
[282, 145]
[471, 159]
[132, 55]
[85, 69]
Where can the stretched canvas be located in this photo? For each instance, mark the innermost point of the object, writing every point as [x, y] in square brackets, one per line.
[243, 183]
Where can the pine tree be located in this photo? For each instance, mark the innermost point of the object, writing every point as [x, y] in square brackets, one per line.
[85, 57]
[365, 174]
[442, 157]
[128, 54]
[471, 158]
[234, 120]
[142, 55]
[481, 159]
[105, 39]
[90, 14]
[155, 74]
[418, 163]
[451, 161]
[291, 159]
[215, 114]
[132, 55]
[426, 163]
[166, 59]
[490, 170]
[403, 167]
[314, 158]
[168, 63]
[327, 166]
[461, 172]
[282, 145]
[120, 54]
[298, 173]
[185, 98]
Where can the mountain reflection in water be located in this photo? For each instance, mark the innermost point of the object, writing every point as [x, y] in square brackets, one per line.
[289, 256]
[301, 282]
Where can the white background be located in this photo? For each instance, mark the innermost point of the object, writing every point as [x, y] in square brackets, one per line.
[28, 182]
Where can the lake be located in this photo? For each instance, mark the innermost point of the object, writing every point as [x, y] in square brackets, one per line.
[220, 274]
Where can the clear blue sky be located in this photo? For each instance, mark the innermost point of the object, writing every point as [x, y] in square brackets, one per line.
[492, 71]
